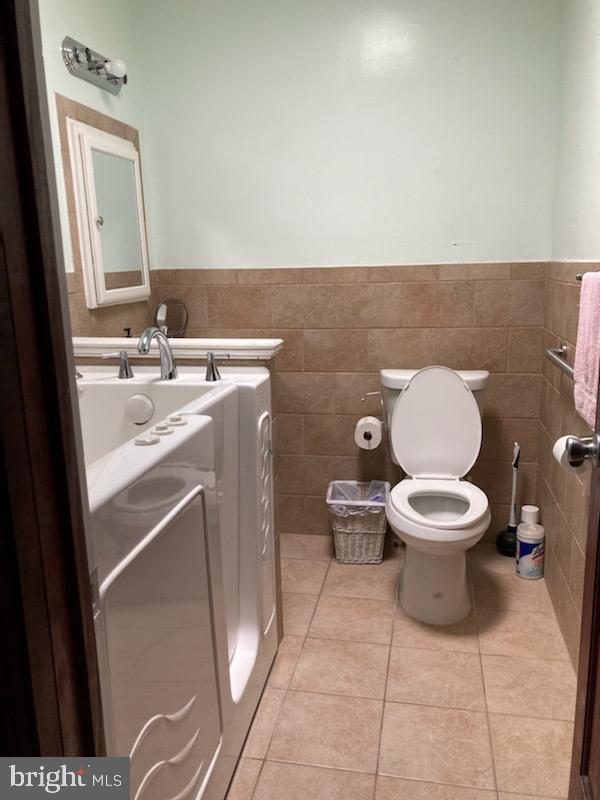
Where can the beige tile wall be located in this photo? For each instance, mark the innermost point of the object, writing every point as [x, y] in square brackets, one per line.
[562, 498]
[342, 325]
[110, 320]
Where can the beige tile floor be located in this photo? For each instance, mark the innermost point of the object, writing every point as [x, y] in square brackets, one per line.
[364, 703]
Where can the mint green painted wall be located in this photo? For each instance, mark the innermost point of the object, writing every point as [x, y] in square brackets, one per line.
[277, 132]
[577, 205]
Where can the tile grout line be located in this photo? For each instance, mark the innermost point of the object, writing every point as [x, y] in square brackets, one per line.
[258, 777]
[288, 687]
[285, 690]
[428, 649]
[385, 691]
[485, 699]
[417, 781]
[387, 678]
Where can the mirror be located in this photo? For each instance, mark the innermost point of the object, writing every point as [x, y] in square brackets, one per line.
[118, 222]
[171, 317]
[110, 216]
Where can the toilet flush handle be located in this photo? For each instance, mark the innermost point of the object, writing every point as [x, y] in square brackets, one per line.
[369, 394]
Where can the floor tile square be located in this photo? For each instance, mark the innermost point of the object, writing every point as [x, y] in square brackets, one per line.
[303, 575]
[434, 678]
[295, 782]
[244, 780]
[513, 633]
[353, 619]
[520, 743]
[408, 632]
[302, 545]
[349, 668]
[263, 724]
[441, 745]
[511, 796]
[484, 559]
[297, 612]
[401, 789]
[511, 592]
[529, 687]
[371, 581]
[285, 661]
[328, 731]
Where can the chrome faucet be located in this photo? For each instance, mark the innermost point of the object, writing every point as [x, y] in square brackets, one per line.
[168, 368]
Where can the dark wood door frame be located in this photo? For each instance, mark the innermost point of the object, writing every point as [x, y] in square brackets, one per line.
[587, 714]
[48, 671]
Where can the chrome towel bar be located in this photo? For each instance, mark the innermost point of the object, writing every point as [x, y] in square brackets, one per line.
[558, 356]
[580, 275]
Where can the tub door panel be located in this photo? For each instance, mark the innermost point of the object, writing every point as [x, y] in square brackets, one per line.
[159, 653]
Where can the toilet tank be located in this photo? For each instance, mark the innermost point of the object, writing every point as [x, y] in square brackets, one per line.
[393, 382]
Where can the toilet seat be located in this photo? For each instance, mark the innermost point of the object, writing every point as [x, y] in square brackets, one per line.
[436, 436]
[404, 502]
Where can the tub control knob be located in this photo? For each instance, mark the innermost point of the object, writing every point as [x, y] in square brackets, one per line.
[162, 429]
[146, 439]
[176, 419]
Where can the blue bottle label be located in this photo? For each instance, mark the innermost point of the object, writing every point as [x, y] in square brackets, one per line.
[530, 559]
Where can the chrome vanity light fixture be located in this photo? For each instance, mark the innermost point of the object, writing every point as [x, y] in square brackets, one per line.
[83, 62]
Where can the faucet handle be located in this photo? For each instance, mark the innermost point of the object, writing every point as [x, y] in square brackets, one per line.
[125, 371]
[212, 370]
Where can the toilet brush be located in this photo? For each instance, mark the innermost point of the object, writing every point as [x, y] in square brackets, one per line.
[506, 541]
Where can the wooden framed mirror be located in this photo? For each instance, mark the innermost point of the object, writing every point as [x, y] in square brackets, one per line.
[109, 208]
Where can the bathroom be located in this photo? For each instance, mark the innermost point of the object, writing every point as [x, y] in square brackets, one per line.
[316, 202]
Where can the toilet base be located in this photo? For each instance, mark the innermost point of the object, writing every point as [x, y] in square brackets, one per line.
[434, 588]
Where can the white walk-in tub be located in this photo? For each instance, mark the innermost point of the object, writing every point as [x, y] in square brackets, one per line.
[240, 560]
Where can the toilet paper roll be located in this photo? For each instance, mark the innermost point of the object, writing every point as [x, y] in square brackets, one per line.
[559, 451]
[368, 433]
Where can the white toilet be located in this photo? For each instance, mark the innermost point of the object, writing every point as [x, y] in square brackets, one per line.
[433, 419]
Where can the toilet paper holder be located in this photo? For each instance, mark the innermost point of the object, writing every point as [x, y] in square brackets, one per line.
[582, 449]
[379, 394]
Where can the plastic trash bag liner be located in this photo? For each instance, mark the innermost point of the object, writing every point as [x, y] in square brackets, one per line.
[349, 498]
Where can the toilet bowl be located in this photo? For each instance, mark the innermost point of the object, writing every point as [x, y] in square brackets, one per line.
[435, 435]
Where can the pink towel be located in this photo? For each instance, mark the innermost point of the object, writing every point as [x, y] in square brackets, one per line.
[587, 352]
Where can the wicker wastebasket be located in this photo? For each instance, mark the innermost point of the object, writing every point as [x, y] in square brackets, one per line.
[358, 521]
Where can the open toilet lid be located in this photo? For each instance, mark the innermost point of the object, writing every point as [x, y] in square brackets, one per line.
[436, 426]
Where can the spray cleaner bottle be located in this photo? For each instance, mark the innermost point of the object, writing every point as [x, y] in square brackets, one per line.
[530, 545]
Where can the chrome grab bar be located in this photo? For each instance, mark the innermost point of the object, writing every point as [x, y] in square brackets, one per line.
[558, 356]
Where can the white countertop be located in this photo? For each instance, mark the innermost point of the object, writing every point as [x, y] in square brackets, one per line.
[259, 349]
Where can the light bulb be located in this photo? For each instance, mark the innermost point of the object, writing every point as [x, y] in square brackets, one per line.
[117, 68]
